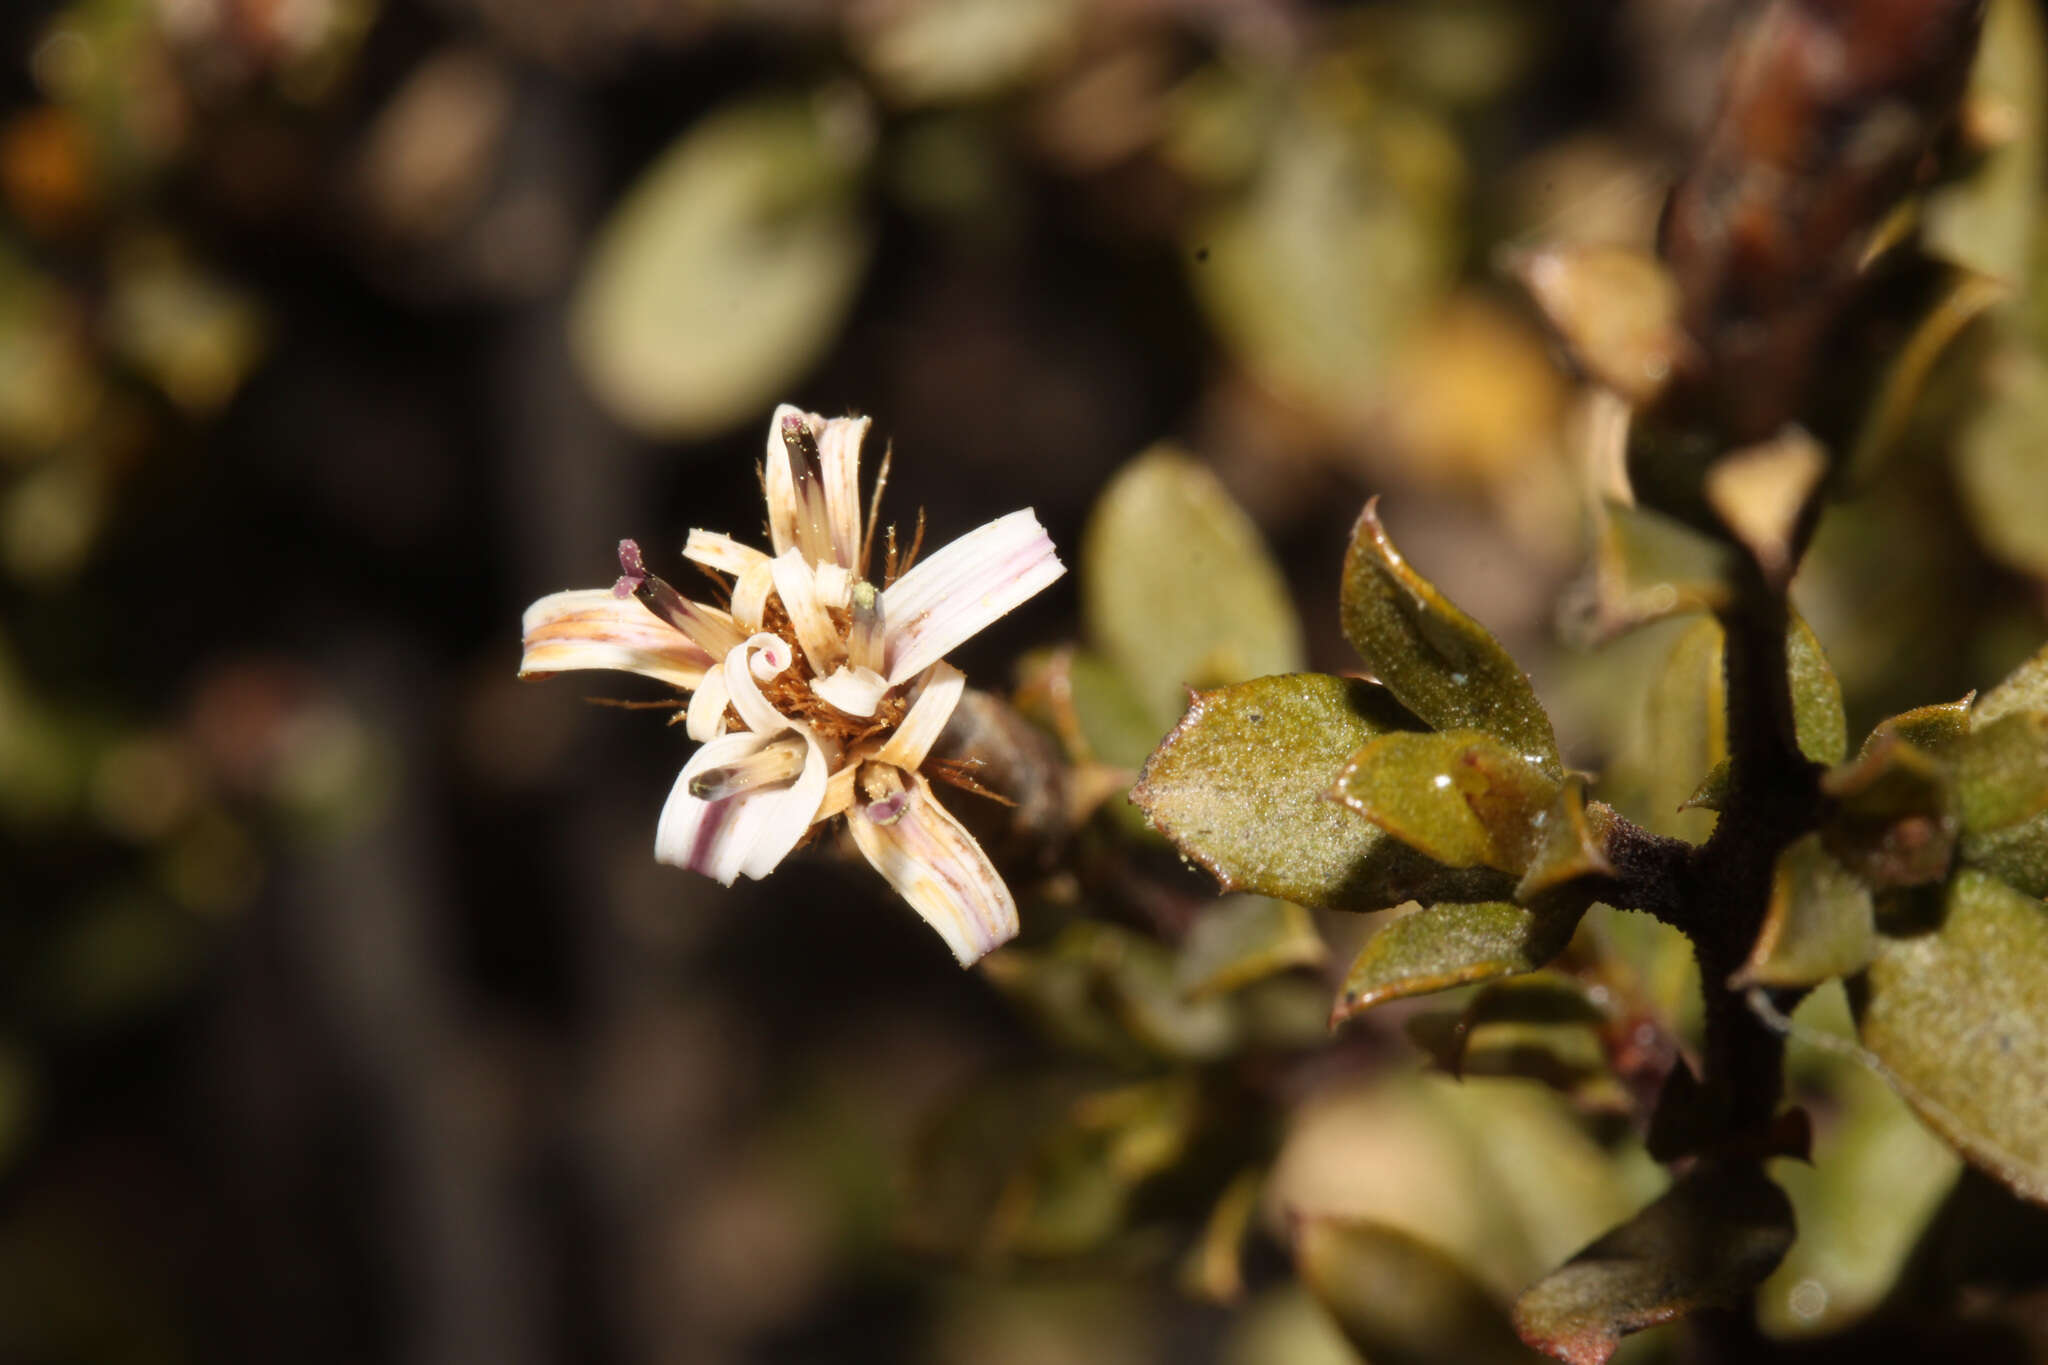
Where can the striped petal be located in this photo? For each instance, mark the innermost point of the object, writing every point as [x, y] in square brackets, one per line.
[591, 628]
[935, 864]
[959, 590]
[745, 834]
[937, 695]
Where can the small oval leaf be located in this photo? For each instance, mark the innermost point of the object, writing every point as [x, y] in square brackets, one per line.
[1959, 1016]
[1242, 787]
[1460, 796]
[1243, 939]
[727, 268]
[1450, 945]
[1177, 587]
[1440, 663]
[1714, 1236]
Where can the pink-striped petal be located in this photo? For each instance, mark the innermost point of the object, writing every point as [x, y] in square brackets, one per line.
[590, 628]
[935, 864]
[745, 834]
[960, 589]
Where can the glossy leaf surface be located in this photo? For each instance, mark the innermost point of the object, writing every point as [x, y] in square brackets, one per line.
[1242, 787]
[1439, 662]
[1460, 796]
[1448, 945]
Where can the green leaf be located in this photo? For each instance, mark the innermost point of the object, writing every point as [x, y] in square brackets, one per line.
[1460, 796]
[1089, 705]
[1646, 567]
[1542, 1027]
[2002, 772]
[1888, 426]
[1439, 662]
[1242, 939]
[1242, 787]
[1987, 220]
[1401, 1301]
[1959, 1016]
[1177, 589]
[1450, 945]
[1316, 267]
[2024, 689]
[2000, 463]
[2016, 855]
[1935, 729]
[1571, 842]
[1819, 924]
[1714, 1236]
[1817, 714]
[725, 272]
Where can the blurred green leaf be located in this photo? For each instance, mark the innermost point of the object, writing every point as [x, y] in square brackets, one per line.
[1089, 705]
[1439, 662]
[1712, 1238]
[1889, 424]
[2016, 854]
[1986, 220]
[1345, 230]
[1541, 1027]
[1442, 946]
[1819, 923]
[1460, 796]
[1112, 993]
[1242, 787]
[1177, 588]
[1571, 842]
[1242, 939]
[1646, 567]
[726, 270]
[1401, 1301]
[1959, 1016]
[1214, 1268]
[2001, 465]
[951, 51]
[2002, 772]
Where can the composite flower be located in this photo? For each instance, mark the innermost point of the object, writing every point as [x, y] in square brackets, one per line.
[818, 685]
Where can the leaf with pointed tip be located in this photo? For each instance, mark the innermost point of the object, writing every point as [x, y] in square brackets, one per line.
[1460, 796]
[1894, 822]
[1242, 787]
[1819, 923]
[1242, 939]
[2024, 689]
[1570, 843]
[2002, 772]
[1439, 662]
[1817, 715]
[1714, 1236]
[1959, 1016]
[1178, 588]
[1450, 945]
[1401, 1301]
[1937, 729]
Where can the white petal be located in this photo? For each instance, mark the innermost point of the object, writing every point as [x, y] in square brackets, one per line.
[839, 449]
[799, 513]
[834, 586]
[706, 716]
[936, 697]
[799, 594]
[935, 864]
[723, 553]
[780, 488]
[750, 594]
[960, 589]
[743, 692]
[856, 691]
[591, 628]
[749, 833]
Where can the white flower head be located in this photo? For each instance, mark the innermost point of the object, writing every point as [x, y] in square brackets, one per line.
[815, 692]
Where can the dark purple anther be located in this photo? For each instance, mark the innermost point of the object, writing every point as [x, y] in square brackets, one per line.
[632, 570]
